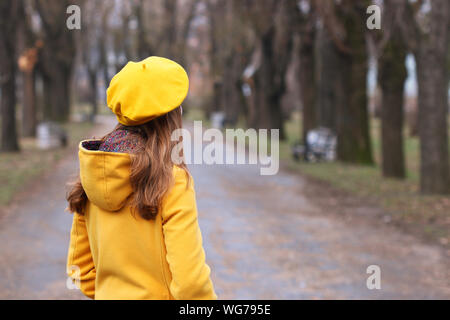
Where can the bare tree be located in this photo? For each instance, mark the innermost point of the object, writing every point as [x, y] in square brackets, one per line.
[28, 48]
[163, 27]
[216, 21]
[327, 76]
[92, 47]
[168, 35]
[392, 74]
[273, 22]
[231, 46]
[9, 15]
[426, 28]
[27, 63]
[102, 45]
[145, 46]
[306, 20]
[56, 58]
[345, 24]
[188, 8]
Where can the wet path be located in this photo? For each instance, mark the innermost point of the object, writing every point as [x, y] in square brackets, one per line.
[263, 240]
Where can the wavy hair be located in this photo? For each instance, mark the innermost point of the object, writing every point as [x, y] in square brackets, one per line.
[151, 167]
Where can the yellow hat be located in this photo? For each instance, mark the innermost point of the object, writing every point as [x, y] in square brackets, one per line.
[147, 89]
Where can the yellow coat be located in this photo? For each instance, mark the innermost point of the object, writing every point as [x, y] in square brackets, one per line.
[117, 255]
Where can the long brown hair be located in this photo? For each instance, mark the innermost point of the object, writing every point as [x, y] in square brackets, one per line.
[151, 167]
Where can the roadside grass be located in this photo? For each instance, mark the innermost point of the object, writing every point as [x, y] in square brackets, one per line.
[18, 169]
[424, 214]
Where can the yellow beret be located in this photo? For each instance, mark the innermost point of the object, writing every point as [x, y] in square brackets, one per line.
[147, 89]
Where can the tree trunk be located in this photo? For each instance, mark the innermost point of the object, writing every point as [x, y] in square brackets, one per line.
[168, 41]
[229, 101]
[327, 74]
[215, 22]
[182, 38]
[392, 75]
[251, 105]
[8, 16]
[354, 143]
[93, 95]
[431, 57]
[46, 108]
[56, 59]
[27, 49]
[8, 111]
[232, 100]
[29, 105]
[216, 98]
[269, 91]
[59, 95]
[307, 81]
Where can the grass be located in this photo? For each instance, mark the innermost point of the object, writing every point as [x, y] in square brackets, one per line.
[424, 214]
[17, 169]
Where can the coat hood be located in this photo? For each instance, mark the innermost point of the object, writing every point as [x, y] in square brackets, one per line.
[105, 176]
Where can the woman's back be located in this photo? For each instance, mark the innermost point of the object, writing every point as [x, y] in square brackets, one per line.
[135, 233]
[120, 254]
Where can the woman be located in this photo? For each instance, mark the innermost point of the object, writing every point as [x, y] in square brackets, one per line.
[135, 233]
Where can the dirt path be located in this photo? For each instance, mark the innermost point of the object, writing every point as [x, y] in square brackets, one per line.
[263, 239]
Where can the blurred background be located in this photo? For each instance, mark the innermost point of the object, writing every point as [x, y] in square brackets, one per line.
[362, 110]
